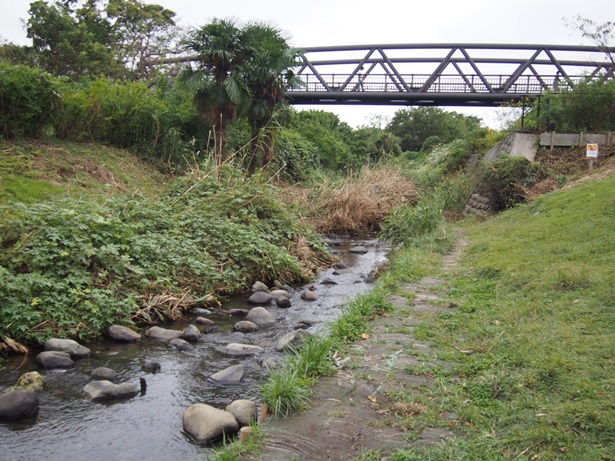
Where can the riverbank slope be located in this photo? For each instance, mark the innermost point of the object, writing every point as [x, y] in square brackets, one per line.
[506, 354]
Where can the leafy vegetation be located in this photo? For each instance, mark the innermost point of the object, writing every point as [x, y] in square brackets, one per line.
[240, 70]
[589, 108]
[78, 39]
[425, 126]
[288, 387]
[27, 99]
[74, 267]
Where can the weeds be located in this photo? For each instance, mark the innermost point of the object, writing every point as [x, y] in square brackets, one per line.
[286, 391]
[240, 448]
[73, 267]
[359, 202]
[288, 388]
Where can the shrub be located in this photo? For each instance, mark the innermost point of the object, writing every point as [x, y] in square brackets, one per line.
[406, 223]
[506, 179]
[590, 107]
[71, 268]
[296, 156]
[28, 98]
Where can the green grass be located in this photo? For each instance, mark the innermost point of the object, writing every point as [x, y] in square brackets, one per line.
[532, 340]
[31, 172]
[237, 450]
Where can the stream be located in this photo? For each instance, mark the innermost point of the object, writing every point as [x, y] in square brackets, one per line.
[71, 427]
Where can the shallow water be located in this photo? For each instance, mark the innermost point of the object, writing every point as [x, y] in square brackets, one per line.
[149, 427]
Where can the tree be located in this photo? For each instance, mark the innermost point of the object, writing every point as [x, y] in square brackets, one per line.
[240, 70]
[372, 144]
[89, 38]
[268, 74]
[71, 44]
[331, 137]
[220, 91]
[141, 32]
[414, 126]
[600, 34]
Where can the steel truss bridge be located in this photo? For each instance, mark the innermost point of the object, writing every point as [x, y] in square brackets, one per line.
[444, 74]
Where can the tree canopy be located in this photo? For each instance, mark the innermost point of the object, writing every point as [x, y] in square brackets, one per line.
[240, 70]
[414, 126]
[90, 38]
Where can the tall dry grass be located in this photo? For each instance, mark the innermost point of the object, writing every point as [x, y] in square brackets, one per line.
[357, 203]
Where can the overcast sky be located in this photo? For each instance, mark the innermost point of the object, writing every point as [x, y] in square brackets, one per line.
[346, 22]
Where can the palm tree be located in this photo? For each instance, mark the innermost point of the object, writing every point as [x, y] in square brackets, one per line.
[268, 73]
[220, 93]
[241, 71]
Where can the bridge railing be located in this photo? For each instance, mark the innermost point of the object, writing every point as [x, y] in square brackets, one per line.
[414, 83]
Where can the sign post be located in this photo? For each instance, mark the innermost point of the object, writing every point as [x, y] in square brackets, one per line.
[592, 153]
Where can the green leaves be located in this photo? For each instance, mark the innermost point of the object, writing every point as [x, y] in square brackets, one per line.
[67, 263]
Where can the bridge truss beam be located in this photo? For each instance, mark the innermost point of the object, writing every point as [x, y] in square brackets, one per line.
[444, 74]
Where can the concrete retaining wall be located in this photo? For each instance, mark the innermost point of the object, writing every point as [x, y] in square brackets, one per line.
[575, 139]
[515, 145]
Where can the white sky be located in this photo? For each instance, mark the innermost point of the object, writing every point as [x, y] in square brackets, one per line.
[357, 22]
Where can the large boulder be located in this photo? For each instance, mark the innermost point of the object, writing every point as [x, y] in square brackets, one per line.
[233, 374]
[162, 334]
[244, 411]
[107, 390]
[242, 349]
[104, 373]
[259, 286]
[309, 295]
[30, 381]
[261, 316]
[54, 359]
[18, 404]
[279, 294]
[205, 423]
[181, 345]
[191, 334]
[245, 326]
[123, 334]
[260, 297]
[76, 350]
[291, 340]
[359, 250]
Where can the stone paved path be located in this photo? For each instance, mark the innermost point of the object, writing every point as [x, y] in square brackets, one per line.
[354, 411]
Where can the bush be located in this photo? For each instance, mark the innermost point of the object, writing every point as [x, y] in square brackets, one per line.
[158, 124]
[72, 268]
[590, 107]
[28, 98]
[406, 222]
[506, 180]
[295, 156]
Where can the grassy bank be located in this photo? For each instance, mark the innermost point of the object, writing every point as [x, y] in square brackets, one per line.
[86, 247]
[35, 171]
[531, 340]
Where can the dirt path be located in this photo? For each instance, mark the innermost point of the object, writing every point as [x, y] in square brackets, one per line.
[360, 408]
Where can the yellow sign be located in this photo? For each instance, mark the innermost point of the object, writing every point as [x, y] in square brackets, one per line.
[592, 150]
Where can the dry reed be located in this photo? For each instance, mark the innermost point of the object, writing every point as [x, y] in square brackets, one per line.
[358, 203]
